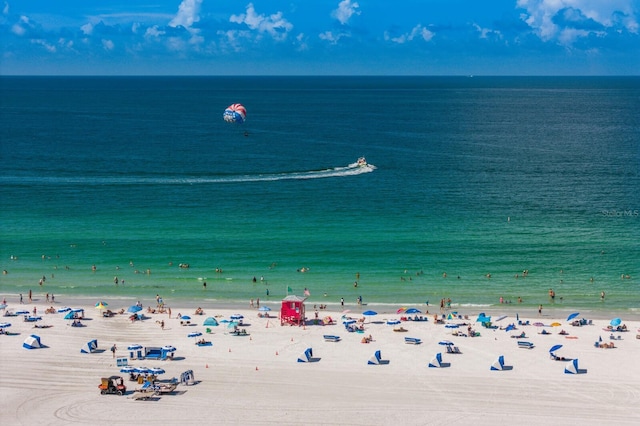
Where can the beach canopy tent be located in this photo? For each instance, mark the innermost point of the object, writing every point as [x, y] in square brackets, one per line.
[498, 364]
[375, 359]
[292, 310]
[32, 342]
[572, 367]
[211, 321]
[306, 356]
[436, 362]
[89, 347]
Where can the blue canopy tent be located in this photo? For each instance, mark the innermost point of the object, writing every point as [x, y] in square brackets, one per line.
[89, 347]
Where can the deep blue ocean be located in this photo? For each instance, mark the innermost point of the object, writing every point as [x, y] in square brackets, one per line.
[472, 177]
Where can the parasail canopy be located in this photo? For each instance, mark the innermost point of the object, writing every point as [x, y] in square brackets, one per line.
[235, 113]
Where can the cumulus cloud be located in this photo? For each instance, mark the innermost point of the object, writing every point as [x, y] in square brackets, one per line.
[331, 37]
[107, 44]
[567, 20]
[274, 25]
[416, 32]
[346, 9]
[188, 13]
[485, 33]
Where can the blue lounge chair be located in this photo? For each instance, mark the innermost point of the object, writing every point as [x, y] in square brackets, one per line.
[331, 338]
[525, 345]
[376, 359]
[306, 356]
[498, 364]
[412, 340]
[436, 362]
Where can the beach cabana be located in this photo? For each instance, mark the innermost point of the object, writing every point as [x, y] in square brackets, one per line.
[292, 310]
[32, 342]
[571, 367]
[436, 362]
[135, 351]
[498, 364]
[210, 321]
[306, 356]
[89, 347]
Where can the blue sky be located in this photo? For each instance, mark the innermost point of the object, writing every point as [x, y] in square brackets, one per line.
[320, 37]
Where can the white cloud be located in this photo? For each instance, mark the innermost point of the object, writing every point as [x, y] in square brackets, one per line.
[49, 47]
[486, 32]
[188, 13]
[5, 9]
[154, 32]
[346, 9]
[331, 37]
[19, 28]
[416, 32]
[274, 25]
[541, 16]
[87, 28]
[107, 44]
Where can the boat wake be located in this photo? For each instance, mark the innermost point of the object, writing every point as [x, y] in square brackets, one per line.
[336, 172]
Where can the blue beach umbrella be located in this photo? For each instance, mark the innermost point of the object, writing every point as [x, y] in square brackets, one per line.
[555, 348]
[142, 370]
[65, 309]
[369, 313]
[134, 347]
[134, 309]
[157, 371]
[127, 369]
[445, 343]
[615, 322]
[194, 334]
[236, 317]
[185, 317]
[572, 316]
[413, 311]
[168, 348]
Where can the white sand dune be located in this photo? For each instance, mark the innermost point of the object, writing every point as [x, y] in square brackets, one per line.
[256, 380]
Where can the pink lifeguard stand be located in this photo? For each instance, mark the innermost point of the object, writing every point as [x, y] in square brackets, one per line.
[292, 310]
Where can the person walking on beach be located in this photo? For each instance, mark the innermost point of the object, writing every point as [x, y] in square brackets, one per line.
[342, 301]
[21, 302]
[113, 350]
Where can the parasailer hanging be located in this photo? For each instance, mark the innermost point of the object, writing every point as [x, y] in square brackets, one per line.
[235, 113]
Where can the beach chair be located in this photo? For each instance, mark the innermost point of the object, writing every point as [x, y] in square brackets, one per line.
[498, 364]
[525, 345]
[412, 340]
[306, 355]
[449, 349]
[456, 350]
[436, 362]
[331, 338]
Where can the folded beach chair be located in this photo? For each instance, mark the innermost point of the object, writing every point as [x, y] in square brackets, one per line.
[572, 367]
[498, 364]
[306, 356]
[525, 345]
[412, 340]
[436, 362]
[375, 359]
[331, 338]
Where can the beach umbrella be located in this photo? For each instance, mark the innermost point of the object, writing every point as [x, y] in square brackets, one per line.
[168, 348]
[142, 370]
[65, 309]
[134, 347]
[555, 324]
[236, 317]
[555, 348]
[445, 343]
[77, 310]
[572, 316]
[5, 324]
[22, 312]
[615, 322]
[156, 371]
[413, 311]
[127, 369]
[369, 313]
[101, 305]
[401, 310]
[194, 334]
[185, 317]
[134, 309]
[538, 324]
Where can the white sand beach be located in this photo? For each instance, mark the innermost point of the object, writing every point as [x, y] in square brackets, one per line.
[256, 379]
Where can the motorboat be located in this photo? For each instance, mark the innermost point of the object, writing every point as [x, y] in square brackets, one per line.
[362, 162]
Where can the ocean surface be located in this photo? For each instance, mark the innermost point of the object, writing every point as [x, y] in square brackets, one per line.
[478, 179]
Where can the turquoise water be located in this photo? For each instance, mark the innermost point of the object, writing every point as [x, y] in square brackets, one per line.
[473, 176]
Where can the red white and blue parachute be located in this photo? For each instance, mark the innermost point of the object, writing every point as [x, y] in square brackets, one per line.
[235, 113]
